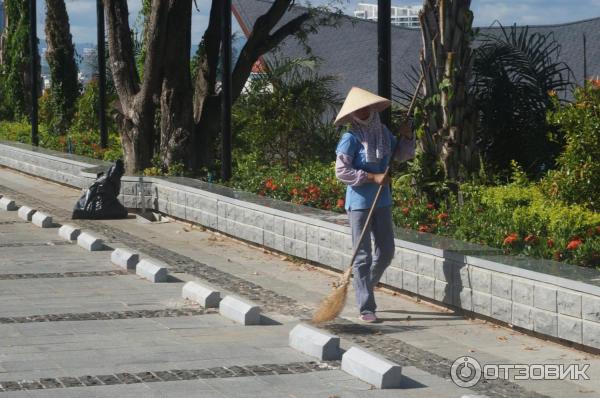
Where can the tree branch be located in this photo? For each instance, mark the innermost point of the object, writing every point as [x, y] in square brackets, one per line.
[259, 43]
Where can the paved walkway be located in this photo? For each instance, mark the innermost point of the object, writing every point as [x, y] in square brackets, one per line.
[107, 333]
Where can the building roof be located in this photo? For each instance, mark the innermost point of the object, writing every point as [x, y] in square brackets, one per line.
[349, 51]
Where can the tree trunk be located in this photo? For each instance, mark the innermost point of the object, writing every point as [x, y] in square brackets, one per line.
[446, 27]
[60, 54]
[136, 110]
[261, 40]
[176, 95]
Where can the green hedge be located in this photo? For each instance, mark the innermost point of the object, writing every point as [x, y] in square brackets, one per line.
[85, 143]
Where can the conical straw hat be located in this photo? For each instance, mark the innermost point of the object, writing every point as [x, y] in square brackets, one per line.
[357, 99]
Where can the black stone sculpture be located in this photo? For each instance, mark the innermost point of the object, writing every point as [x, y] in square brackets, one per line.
[100, 200]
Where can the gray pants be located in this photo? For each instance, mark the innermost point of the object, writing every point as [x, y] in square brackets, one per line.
[369, 265]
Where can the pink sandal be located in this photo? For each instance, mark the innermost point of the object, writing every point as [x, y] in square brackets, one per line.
[368, 318]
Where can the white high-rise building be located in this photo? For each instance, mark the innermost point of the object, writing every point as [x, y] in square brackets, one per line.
[405, 16]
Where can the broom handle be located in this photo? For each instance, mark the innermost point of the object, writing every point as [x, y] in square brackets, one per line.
[380, 189]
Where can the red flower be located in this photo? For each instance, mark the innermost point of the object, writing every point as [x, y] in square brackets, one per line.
[424, 228]
[531, 239]
[294, 192]
[550, 243]
[595, 82]
[442, 216]
[340, 203]
[269, 183]
[430, 206]
[574, 244]
[405, 211]
[510, 239]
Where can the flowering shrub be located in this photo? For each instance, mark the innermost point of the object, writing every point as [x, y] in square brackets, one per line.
[312, 184]
[578, 178]
[517, 219]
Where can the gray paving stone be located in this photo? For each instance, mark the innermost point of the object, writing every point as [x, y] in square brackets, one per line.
[152, 270]
[26, 213]
[426, 286]
[569, 303]
[482, 303]
[410, 281]
[481, 280]
[42, 220]
[314, 342]
[393, 277]
[521, 316]
[545, 322]
[522, 292]
[205, 295]
[501, 309]
[8, 204]
[124, 258]
[444, 269]
[240, 310]
[463, 297]
[591, 334]
[69, 232]
[501, 286]
[90, 242]
[443, 292]
[590, 308]
[544, 297]
[570, 328]
[463, 277]
[426, 265]
[371, 368]
[409, 260]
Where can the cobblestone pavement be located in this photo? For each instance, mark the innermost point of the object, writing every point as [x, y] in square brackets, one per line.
[383, 339]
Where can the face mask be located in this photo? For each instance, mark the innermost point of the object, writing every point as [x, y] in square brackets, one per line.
[363, 122]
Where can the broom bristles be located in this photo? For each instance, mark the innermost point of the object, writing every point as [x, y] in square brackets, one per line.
[333, 304]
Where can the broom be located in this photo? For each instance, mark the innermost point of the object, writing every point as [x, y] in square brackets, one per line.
[333, 304]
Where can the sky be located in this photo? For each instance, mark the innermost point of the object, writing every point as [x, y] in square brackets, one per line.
[82, 13]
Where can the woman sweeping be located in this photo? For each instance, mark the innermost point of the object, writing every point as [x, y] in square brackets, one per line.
[363, 153]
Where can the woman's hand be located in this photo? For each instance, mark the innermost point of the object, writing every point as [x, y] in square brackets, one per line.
[379, 178]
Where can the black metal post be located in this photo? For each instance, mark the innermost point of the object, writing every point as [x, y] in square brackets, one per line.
[101, 74]
[384, 54]
[34, 71]
[226, 91]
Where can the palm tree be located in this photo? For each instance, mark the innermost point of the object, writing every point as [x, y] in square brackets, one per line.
[515, 73]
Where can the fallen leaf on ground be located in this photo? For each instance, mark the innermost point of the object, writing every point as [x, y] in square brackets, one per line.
[528, 348]
[471, 350]
[502, 338]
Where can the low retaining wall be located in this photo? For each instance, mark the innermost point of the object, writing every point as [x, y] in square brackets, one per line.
[547, 297]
